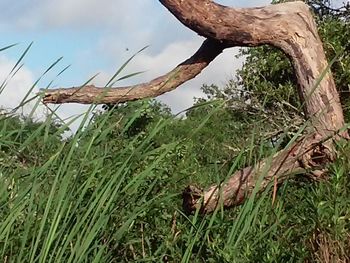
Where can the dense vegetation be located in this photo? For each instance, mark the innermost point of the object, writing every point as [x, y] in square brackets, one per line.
[112, 191]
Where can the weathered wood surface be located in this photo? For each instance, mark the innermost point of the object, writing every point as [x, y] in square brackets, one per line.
[187, 70]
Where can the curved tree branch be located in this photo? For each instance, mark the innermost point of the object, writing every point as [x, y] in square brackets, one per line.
[288, 26]
[187, 70]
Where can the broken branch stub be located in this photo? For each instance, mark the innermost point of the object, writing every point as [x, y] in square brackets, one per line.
[289, 27]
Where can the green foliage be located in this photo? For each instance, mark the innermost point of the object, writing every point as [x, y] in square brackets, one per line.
[94, 198]
[111, 192]
[144, 112]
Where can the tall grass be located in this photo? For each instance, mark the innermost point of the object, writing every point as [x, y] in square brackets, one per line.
[98, 197]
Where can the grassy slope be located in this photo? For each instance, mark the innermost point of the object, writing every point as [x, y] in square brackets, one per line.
[99, 197]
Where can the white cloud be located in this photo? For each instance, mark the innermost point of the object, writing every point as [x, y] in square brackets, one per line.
[91, 12]
[125, 24]
[17, 88]
[116, 17]
[218, 72]
[72, 14]
[166, 59]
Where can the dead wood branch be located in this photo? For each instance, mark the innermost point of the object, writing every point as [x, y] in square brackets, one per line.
[187, 70]
[307, 155]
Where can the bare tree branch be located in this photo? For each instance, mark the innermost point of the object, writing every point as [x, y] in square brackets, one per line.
[288, 26]
[301, 157]
[187, 70]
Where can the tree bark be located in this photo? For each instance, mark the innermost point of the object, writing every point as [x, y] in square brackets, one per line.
[289, 27]
[187, 70]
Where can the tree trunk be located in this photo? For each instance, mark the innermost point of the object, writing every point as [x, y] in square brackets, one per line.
[289, 27]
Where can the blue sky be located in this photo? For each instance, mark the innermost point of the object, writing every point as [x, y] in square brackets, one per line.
[97, 36]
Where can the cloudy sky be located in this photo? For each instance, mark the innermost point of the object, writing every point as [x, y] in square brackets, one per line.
[97, 36]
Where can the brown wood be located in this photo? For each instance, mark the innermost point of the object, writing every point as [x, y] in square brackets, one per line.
[307, 155]
[289, 27]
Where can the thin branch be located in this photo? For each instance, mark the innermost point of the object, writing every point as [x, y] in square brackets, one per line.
[187, 70]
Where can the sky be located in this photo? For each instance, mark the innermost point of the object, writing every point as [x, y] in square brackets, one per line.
[98, 36]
